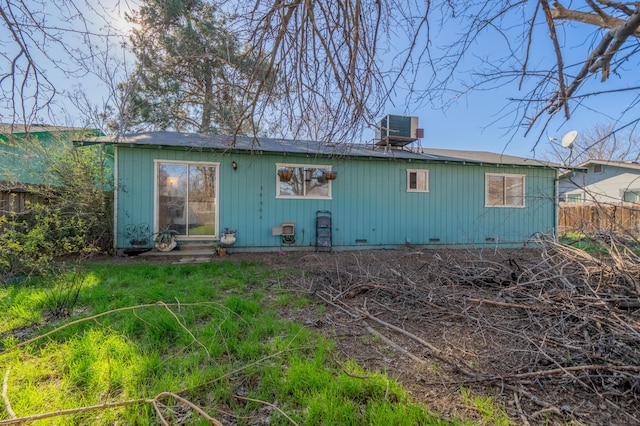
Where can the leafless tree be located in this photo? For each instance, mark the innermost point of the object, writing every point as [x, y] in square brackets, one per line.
[601, 142]
[109, 111]
[613, 50]
[352, 57]
[46, 41]
[329, 57]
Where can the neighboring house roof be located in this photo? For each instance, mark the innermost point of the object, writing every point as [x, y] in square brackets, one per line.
[7, 129]
[627, 164]
[259, 144]
[585, 166]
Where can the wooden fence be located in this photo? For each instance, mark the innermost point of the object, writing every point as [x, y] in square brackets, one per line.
[15, 202]
[593, 218]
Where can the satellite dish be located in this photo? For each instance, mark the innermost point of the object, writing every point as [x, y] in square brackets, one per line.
[568, 139]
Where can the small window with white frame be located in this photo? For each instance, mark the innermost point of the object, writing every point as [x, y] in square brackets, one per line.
[631, 196]
[304, 181]
[598, 168]
[574, 198]
[504, 190]
[417, 180]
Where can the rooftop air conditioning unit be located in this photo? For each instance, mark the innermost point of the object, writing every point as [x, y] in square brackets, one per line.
[397, 131]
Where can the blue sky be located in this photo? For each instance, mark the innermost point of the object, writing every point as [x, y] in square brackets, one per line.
[474, 121]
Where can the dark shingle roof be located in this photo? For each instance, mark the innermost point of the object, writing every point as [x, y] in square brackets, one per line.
[259, 144]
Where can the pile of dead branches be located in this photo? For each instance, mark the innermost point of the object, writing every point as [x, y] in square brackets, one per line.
[555, 329]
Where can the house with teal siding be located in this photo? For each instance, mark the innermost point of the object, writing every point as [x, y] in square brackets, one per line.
[280, 194]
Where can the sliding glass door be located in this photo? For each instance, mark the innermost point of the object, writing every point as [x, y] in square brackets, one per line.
[187, 198]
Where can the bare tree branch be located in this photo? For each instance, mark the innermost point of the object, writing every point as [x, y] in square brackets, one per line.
[328, 70]
[598, 19]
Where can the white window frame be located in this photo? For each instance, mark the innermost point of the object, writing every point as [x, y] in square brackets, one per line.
[425, 177]
[156, 211]
[305, 196]
[632, 191]
[487, 176]
[567, 195]
[598, 168]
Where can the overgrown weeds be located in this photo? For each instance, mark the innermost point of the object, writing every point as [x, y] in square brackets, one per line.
[62, 286]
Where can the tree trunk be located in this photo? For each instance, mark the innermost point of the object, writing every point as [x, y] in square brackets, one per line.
[207, 105]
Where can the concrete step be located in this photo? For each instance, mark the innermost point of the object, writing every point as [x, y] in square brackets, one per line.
[184, 253]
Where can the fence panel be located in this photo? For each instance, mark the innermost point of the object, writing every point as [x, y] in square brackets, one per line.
[592, 218]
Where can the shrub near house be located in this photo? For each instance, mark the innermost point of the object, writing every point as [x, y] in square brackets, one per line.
[61, 206]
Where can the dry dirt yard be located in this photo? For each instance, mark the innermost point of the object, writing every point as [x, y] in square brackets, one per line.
[550, 334]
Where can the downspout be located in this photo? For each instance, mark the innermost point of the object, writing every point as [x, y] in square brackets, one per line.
[556, 204]
[116, 188]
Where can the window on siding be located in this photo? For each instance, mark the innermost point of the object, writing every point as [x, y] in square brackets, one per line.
[571, 198]
[504, 190]
[598, 168]
[632, 196]
[302, 181]
[417, 180]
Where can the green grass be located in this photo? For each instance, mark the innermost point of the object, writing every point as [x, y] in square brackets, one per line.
[203, 230]
[598, 245]
[491, 412]
[590, 247]
[585, 243]
[215, 339]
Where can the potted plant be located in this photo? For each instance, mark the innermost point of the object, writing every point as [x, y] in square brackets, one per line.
[228, 237]
[285, 174]
[329, 175]
[165, 239]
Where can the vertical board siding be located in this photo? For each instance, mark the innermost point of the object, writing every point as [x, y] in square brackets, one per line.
[134, 186]
[369, 201]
